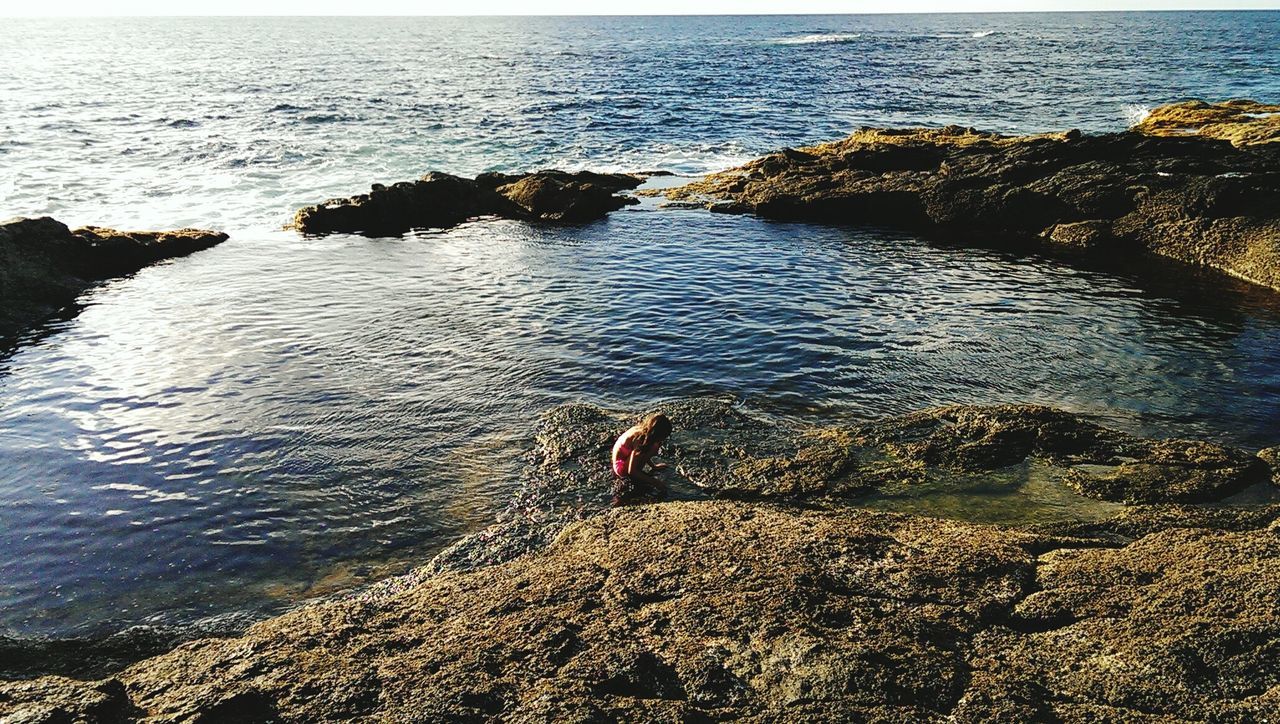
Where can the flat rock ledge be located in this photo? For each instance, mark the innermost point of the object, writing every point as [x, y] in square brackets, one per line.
[44, 265]
[440, 200]
[1196, 182]
[788, 606]
[724, 610]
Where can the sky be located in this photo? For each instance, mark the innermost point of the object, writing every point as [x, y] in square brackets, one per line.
[593, 7]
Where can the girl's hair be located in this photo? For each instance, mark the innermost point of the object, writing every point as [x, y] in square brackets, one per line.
[653, 429]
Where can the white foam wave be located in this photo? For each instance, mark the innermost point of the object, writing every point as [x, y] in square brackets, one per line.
[983, 33]
[818, 38]
[1135, 114]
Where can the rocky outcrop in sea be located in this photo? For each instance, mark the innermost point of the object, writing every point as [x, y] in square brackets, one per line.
[785, 603]
[1196, 182]
[44, 265]
[440, 200]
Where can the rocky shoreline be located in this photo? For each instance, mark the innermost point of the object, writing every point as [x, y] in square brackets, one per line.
[765, 593]
[44, 265]
[1195, 182]
[784, 602]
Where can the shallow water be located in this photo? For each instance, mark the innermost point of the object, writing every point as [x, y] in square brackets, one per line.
[282, 417]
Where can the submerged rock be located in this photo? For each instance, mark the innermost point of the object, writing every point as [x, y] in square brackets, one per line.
[1191, 197]
[727, 610]
[44, 265]
[723, 451]
[440, 200]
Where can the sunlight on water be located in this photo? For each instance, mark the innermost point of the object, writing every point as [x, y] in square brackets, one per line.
[280, 417]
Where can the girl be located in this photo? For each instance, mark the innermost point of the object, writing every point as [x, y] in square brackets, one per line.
[635, 449]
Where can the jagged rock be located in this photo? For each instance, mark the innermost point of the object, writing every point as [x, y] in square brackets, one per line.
[440, 200]
[44, 265]
[668, 611]
[559, 196]
[1084, 235]
[726, 610]
[1194, 198]
[436, 200]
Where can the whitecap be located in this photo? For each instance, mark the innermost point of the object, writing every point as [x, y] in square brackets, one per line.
[818, 38]
[983, 33]
[1136, 114]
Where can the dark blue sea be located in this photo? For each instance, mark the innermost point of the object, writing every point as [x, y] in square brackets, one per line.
[284, 417]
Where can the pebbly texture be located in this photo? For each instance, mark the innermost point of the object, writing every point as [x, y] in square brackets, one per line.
[44, 265]
[1194, 197]
[440, 200]
[721, 610]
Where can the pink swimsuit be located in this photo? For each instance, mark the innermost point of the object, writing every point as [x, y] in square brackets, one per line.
[624, 455]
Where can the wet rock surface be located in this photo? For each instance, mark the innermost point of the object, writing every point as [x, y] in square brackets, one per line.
[719, 449]
[788, 605]
[1242, 122]
[723, 609]
[440, 200]
[44, 265]
[1174, 186]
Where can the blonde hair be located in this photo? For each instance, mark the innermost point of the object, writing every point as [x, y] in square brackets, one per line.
[653, 429]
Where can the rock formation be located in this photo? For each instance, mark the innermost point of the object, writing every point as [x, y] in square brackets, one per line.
[726, 452]
[1242, 122]
[1172, 186]
[439, 200]
[44, 265]
[721, 610]
[778, 608]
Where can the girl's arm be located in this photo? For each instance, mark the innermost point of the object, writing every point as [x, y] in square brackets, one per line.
[635, 470]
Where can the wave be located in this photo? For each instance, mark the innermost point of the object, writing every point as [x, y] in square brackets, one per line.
[1135, 114]
[955, 35]
[818, 38]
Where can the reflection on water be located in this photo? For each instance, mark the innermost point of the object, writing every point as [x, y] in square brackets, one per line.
[285, 416]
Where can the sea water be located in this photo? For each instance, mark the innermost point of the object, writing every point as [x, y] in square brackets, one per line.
[284, 417]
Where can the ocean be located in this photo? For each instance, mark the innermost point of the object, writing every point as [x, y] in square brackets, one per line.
[283, 417]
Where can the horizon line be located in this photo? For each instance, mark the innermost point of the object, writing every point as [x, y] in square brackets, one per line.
[1063, 11]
